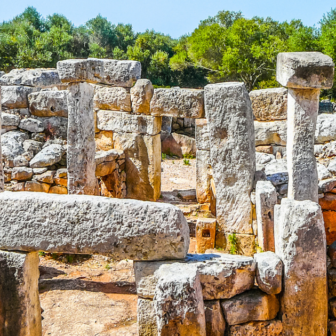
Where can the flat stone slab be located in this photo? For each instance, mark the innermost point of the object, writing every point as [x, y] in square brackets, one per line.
[124, 229]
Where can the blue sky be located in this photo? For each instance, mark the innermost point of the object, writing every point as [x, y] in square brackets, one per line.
[173, 17]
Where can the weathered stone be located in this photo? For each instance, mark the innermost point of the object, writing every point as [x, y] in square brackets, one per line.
[104, 140]
[269, 272]
[229, 114]
[203, 176]
[332, 254]
[81, 134]
[268, 328]
[332, 328]
[112, 98]
[106, 168]
[55, 127]
[108, 156]
[300, 242]
[130, 123]
[214, 320]
[322, 172]
[125, 229]
[32, 125]
[104, 71]
[143, 164]
[329, 218]
[58, 190]
[266, 198]
[325, 128]
[253, 305]
[47, 177]
[242, 244]
[34, 186]
[10, 119]
[202, 134]
[328, 202]
[32, 146]
[269, 104]
[48, 156]
[141, 96]
[23, 159]
[20, 304]
[331, 281]
[22, 173]
[265, 149]
[205, 234]
[176, 102]
[305, 70]
[2, 176]
[61, 173]
[178, 301]
[146, 318]
[61, 182]
[326, 185]
[263, 158]
[270, 133]
[15, 96]
[48, 103]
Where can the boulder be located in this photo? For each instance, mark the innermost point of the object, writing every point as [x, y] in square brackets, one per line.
[61, 173]
[9, 119]
[104, 71]
[277, 172]
[176, 102]
[141, 96]
[123, 229]
[270, 133]
[22, 173]
[146, 318]
[325, 128]
[268, 328]
[34, 186]
[263, 158]
[214, 319]
[47, 177]
[112, 98]
[32, 146]
[332, 328]
[108, 156]
[13, 97]
[31, 125]
[332, 166]
[269, 104]
[58, 190]
[48, 156]
[326, 185]
[202, 134]
[322, 172]
[12, 144]
[179, 145]
[55, 127]
[104, 140]
[203, 176]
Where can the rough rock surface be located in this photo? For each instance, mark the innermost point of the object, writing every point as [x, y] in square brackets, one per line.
[2, 177]
[202, 134]
[105, 71]
[253, 305]
[272, 132]
[12, 144]
[268, 328]
[269, 104]
[9, 119]
[81, 140]
[214, 319]
[277, 172]
[22, 173]
[112, 98]
[48, 156]
[269, 272]
[176, 102]
[229, 114]
[141, 96]
[125, 229]
[325, 128]
[322, 172]
[203, 176]
[301, 245]
[146, 318]
[13, 97]
[31, 125]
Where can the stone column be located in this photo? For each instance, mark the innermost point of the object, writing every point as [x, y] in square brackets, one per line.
[1, 168]
[81, 140]
[305, 74]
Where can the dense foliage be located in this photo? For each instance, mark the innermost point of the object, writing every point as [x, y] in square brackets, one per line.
[222, 48]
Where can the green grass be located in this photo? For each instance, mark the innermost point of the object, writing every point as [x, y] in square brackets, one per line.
[41, 254]
[186, 162]
[189, 156]
[233, 243]
[164, 156]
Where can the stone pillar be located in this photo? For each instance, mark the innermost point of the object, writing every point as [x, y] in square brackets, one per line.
[230, 120]
[2, 179]
[300, 242]
[305, 74]
[20, 310]
[81, 140]
[266, 199]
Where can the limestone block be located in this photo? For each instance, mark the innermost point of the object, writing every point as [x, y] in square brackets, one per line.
[203, 176]
[48, 156]
[126, 229]
[104, 140]
[301, 245]
[270, 133]
[55, 127]
[202, 134]
[205, 234]
[15, 96]
[15, 186]
[253, 305]
[12, 146]
[104, 71]
[20, 304]
[268, 328]
[141, 96]
[41, 78]
[229, 114]
[266, 198]
[108, 156]
[32, 146]
[263, 158]
[81, 138]
[325, 128]
[48, 103]
[146, 318]
[10, 119]
[221, 275]
[269, 104]
[269, 272]
[214, 319]
[47, 177]
[302, 70]
[176, 102]
[143, 164]
[61, 182]
[322, 172]
[32, 125]
[130, 123]
[178, 301]
[329, 218]
[112, 98]
[179, 145]
[58, 190]
[22, 173]
[34, 186]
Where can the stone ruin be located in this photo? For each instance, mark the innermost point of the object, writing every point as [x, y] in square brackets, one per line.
[86, 131]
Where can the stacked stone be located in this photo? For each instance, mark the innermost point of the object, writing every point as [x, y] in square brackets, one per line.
[209, 294]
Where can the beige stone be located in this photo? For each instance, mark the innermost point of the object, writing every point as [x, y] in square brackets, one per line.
[141, 96]
[270, 132]
[106, 168]
[203, 176]
[111, 185]
[146, 318]
[268, 328]
[35, 186]
[332, 328]
[58, 190]
[47, 177]
[104, 140]
[61, 181]
[214, 319]
[22, 173]
[205, 234]
[245, 244]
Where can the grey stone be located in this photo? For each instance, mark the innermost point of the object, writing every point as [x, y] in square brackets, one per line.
[10, 119]
[178, 301]
[332, 166]
[48, 103]
[203, 176]
[325, 128]
[302, 70]
[318, 150]
[166, 125]
[269, 272]
[12, 144]
[214, 319]
[176, 102]
[141, 96]
[277, 172]
[202, 134]
[61, 173]
[128, 123]
[107, 156]
[23, 159]
[32, 146]
[326, 106]
[104, 71]
[300, 242]
[13, 97]
[81, 140]
[229, 114]
[266, 198]
[20, 304]
[263, 158]
[48, 156]
[55, 127]
[124, 229]
[2, 73]
[322, 172]
[146, 318]
[269, 104]
[32, 125]
[283, 189]
[270, 133]
[39, 170]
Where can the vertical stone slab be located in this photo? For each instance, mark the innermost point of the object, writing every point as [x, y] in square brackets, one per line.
[20, 310]
[214, 319]
[301, 244]
[230, 121]
[203, 176]
[81, 140]
[266, 199]
[2, 179]
[146, 318]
